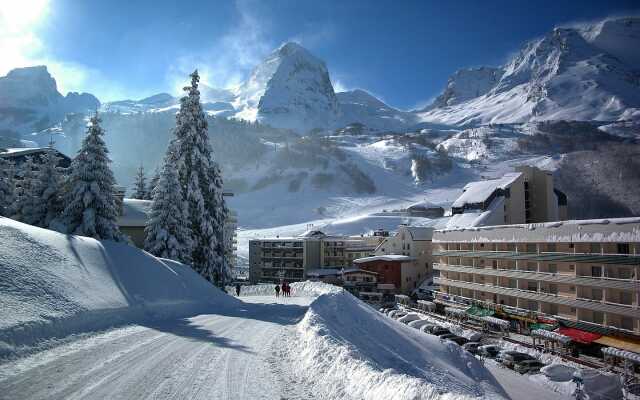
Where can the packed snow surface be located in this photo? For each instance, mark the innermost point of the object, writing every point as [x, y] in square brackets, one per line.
[55, 285]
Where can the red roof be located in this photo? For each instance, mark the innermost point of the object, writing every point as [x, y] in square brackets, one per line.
[579, 336]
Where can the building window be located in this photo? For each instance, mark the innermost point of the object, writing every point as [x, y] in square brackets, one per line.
[551, 247]
[626, 323]
[596, 294]
[623, 248]
[531, 248]
[625, 298]
[594, 248]
[596, 271]
[553, 268]
[598, 317]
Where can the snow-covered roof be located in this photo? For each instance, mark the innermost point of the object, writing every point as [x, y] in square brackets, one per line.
[471, 218]
[455, 311]
[388, 257]
[324, 272]
[628, 355]
[478, 192]
[555, 336]
[312, 234]
[358, 270]
[420, 232]
[134, 213]
[25, 151]
[422, 205]
[495, 321]
[572, 231]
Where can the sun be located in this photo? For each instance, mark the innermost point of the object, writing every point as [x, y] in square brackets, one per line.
[16, 16]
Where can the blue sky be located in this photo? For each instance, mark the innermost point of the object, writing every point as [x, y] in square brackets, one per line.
[402, 51]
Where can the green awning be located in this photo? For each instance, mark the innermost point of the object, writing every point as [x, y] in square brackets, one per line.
[479, 311]
[546, 327]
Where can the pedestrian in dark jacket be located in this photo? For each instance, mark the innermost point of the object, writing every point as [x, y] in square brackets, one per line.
[277, 290]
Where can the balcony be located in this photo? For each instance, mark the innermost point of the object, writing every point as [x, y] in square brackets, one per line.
[620, 259]
[600, 282]
[555, 299]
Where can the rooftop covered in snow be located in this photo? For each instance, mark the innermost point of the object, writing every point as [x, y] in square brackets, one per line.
[480, 191]
[573, 231]
[389, 257]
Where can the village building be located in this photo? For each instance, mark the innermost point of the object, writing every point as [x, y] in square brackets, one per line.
[582, 275]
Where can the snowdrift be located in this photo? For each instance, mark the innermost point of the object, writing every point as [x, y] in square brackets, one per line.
[304, 289]
[348, 350]
[53, 285]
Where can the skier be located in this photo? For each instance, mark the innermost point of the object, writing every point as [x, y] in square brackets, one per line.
[277, 290]
[238, 289]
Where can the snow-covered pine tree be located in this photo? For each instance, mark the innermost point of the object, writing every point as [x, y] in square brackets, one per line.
[152, 184]
[25, 200]
[90, 203]
[140, 185]
[47, 192]
[201, 184]
[168, 231]
[7, 186]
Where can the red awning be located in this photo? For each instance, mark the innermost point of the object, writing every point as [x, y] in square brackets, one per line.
[579, 336]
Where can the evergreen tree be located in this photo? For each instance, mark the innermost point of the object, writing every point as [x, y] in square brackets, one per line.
[90, 202]
[168, 232]
[152, 184]
[140, 185]
[25, 201]
[201, 185]
[47, 192]
[7, 186]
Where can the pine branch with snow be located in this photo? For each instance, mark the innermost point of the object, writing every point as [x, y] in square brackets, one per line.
[7, 186]
[152, 184]
[25, 203]
[91, 202]
[47, 192]
[201, 184]
[168, 231]
[140, 185]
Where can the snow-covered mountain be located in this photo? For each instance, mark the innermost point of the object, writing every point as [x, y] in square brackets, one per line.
[30, 101]
[289, 89]
[359, 106]
[586, 72]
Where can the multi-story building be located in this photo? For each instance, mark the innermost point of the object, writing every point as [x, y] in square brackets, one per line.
[399, 271]
[230, 237]
[584, 273]
[414, 242]
[290, 258]
[524, 196]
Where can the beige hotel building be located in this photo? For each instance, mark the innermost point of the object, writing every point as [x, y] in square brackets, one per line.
[582, 272]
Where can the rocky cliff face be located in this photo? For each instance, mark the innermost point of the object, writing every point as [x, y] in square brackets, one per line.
[30, 101]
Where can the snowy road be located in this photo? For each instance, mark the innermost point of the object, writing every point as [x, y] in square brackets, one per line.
[228, 356]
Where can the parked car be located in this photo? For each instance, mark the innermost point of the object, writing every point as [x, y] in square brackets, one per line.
[448, 336]
[459, 340]
[419, 323]
[510, 358]
[408, 318]
[489, 351]
[395, 314]
[428, 327]
[439, 331]
[472, 347]
[528, 366]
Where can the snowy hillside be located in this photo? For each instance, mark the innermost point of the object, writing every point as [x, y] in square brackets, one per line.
[586, 72]
[53, 285]
[30, 101]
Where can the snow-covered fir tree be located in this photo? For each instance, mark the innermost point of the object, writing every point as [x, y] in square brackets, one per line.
[47, 191]
[152, 184]
[25, 200]
[168, 231]
[201, 185]
[140, 185]
[90, 203]
[7, 186]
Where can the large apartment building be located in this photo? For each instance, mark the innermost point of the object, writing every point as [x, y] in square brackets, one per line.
[584, 273]
[290, 258]
[524, 196]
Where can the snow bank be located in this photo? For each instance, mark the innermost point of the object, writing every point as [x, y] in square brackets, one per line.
[348, 350]
[53, 285]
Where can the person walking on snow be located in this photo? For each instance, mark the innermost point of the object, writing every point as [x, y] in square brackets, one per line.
[238, 289]
[277, 290]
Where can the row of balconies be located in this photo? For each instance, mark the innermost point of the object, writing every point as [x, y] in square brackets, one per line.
[571, 248]
[545, 297]
[584, 280]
